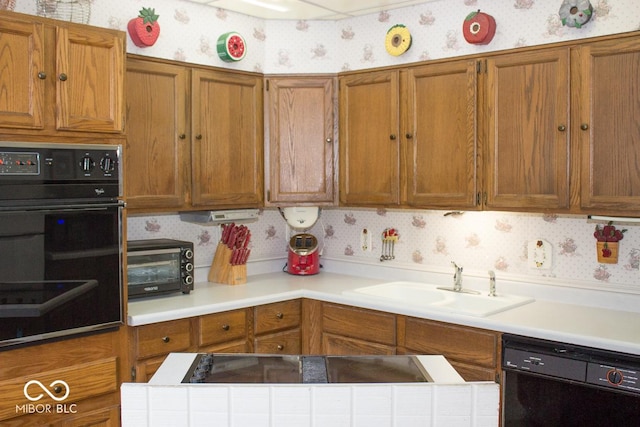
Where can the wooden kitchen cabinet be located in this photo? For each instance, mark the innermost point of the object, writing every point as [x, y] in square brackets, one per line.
[194, 137]
[158, 152]
[227, 127]
[300, 157]
[528, 137]
[92, 368]
[409, 137]
[606, 107]
[226, 332]
[369, 127]
[441, 159]
[473, 352]
[344, 330]
[277, 328]
[61, 76]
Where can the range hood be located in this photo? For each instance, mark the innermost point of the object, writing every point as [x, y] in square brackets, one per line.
[238, 216]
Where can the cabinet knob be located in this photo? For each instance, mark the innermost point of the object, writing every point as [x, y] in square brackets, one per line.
[280, 347]
[329, 140]
[584, 126]
[198, 136]
[225, 327]
[392, 137]
[42, 75]
[562, 128]
[409, 135]
[57, 389]
[279, 315]
[166, 339]
[63, 77]
[182, 136]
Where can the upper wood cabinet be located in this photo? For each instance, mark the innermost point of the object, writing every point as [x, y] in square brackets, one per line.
[527, 122]
[409, 138]
[59, 76]
[300, 157]
[440, 134]
[369, 138]
[227, 127]
[194, 137]
[606, 124]
[158, 154]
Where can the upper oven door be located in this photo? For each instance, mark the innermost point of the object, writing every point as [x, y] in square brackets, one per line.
[60, 271]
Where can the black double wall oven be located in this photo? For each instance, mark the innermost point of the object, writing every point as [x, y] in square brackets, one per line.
[60, 241]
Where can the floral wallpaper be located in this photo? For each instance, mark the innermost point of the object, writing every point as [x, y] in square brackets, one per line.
[427, 239]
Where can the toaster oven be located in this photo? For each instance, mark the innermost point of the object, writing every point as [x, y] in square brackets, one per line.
[159, 266]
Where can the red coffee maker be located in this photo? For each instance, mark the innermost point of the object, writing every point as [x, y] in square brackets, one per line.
[304, 254]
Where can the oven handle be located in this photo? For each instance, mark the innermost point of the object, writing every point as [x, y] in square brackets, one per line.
[65, 207]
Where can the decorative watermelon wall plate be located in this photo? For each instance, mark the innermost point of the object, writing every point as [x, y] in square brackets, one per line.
[231, 47]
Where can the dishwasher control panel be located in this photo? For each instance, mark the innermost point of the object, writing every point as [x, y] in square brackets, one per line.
[618, 377]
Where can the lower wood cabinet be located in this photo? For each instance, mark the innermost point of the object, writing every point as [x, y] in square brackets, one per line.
[83, 374]
[346, 330]
[474, 353]
[277, 328]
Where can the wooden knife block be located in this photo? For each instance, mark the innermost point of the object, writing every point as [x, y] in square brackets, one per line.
[223, 272]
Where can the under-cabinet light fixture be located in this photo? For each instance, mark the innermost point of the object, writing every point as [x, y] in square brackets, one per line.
[616, 219]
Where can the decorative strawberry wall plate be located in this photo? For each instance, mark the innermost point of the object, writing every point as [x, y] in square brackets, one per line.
[145, 29]
[231, 47]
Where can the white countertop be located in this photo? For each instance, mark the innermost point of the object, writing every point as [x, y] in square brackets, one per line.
[572, 316]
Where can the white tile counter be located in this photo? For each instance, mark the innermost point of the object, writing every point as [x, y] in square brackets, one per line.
[448, 400]
[577, 316]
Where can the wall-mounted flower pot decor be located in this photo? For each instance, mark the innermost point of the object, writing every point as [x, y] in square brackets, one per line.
[608, 242]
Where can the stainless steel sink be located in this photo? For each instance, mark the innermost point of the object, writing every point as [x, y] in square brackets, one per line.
[421, 295]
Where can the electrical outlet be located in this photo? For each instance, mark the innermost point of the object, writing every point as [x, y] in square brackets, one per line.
[365, 240]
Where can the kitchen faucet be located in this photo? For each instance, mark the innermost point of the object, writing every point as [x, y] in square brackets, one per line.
[492, 283]
[457, 277]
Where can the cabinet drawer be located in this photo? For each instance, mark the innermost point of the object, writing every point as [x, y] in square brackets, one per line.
[458, 343]
[163, 338]
[335, 345]
[220, 327]
[82, 381]
[277, 316]
[367, 325]
[287, 342]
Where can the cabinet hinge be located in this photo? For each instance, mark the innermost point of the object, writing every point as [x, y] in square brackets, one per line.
[133, 373]
[268, 195]
[478, 198]
[267, 85]
[479, 67]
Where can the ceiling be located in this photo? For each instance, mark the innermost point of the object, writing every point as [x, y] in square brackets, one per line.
[308, 9]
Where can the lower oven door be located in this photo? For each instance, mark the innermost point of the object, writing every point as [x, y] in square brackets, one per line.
[61, 271]
[532, 400]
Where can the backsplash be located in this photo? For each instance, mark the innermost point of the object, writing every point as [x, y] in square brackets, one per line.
[428, 240]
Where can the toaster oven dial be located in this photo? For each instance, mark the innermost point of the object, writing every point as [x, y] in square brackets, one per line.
[189, 267]
[188, 280]
[188, 253]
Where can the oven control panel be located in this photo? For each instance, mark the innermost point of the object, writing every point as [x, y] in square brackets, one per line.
[618, 377]
[19, 163]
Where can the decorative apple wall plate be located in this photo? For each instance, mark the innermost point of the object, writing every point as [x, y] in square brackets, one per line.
[398, 40]
[479, 28]
[575, 13]
[231, 47]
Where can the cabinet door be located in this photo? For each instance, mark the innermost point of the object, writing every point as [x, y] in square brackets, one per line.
[227, 152]
[440, 133]
[22, 77]
[89, 79]
[527, 111]
[606, 124]
[369, 139]
[157, 158]
[301, 133]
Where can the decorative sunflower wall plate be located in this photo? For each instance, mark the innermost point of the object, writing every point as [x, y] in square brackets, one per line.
[231, 47]
[398, 40]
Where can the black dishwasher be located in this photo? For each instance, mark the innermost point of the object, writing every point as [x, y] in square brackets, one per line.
[548, 383]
